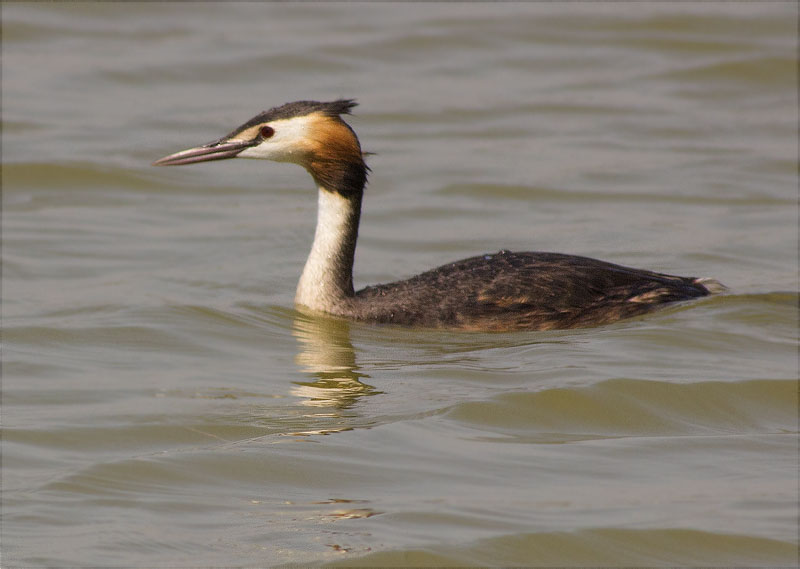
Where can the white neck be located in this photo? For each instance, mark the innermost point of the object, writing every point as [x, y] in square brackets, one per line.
[327, 279]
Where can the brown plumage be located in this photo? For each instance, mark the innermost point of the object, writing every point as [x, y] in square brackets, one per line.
[493, 292]
[522, 291]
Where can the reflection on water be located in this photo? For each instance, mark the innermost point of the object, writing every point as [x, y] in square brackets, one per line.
[327, 353]
[154, 371]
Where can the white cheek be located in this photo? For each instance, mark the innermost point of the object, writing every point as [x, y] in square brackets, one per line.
[286, 145]
[269, 150]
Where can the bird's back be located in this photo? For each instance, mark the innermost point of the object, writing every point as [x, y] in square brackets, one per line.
[516, 291]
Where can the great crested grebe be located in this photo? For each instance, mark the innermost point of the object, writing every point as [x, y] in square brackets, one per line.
[500, 291]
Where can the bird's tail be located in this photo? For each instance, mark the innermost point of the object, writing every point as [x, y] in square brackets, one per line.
[713, 286]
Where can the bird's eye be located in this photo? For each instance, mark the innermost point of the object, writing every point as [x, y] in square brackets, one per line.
[266, 131]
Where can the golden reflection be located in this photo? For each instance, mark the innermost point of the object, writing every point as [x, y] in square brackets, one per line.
[328, 355]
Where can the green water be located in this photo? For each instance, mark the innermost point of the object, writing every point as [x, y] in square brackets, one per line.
[164, 405]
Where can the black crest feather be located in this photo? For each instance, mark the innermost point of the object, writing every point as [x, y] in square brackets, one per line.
[299, 109]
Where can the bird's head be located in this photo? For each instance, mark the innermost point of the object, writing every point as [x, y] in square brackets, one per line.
[309, 133]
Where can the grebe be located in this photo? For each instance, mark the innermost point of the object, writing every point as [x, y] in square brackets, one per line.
[493, 292]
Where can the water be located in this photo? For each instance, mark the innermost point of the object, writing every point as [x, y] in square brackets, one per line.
[165, 406]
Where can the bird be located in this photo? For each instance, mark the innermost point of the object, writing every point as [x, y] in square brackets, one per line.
[495, 292]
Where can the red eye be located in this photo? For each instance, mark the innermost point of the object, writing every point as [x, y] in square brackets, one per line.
[266, 131]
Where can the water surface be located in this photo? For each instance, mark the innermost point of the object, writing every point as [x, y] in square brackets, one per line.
[164, 405]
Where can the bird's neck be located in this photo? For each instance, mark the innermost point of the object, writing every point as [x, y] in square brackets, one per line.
[327, 279]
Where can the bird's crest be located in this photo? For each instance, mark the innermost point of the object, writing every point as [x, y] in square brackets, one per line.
[298, 109]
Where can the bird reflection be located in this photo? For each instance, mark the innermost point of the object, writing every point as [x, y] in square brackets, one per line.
[328, 355]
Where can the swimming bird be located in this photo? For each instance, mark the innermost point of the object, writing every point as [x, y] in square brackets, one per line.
[501, 291]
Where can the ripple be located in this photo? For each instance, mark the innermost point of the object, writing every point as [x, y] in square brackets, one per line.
[627, 407]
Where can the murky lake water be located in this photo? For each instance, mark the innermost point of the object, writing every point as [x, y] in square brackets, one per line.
[165, 406]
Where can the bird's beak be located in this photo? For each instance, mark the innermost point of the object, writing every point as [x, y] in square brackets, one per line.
[217, 150]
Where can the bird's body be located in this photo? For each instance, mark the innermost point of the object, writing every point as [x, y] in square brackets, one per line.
[522, 291]
[500, 291]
